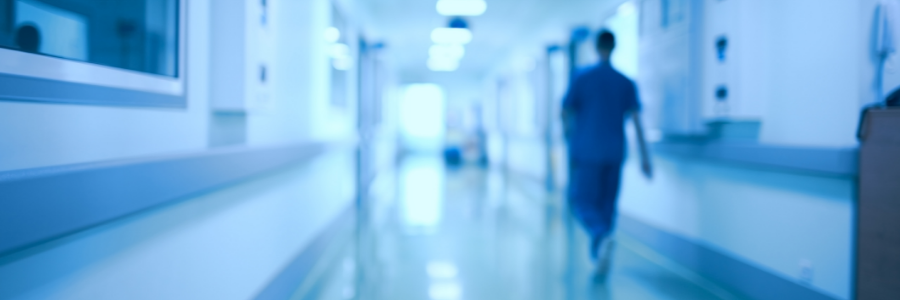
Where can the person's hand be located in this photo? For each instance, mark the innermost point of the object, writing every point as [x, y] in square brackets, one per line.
[647, 169]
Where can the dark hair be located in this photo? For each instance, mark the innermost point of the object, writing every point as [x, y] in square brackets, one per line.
[606, 41]
[28, 38]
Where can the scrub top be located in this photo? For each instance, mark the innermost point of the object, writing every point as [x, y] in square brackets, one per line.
[599, 100]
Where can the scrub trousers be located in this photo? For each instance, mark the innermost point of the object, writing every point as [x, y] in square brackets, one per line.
[593, 192]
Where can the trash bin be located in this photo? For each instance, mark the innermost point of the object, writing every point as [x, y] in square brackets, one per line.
[878, 212]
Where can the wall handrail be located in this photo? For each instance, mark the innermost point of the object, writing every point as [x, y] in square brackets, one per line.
[841, 162]
[38, 205]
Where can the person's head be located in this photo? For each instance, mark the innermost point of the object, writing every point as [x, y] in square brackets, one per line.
[28, 38]
[606, 42]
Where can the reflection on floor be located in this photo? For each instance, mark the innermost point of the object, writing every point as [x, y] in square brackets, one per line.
[430, 232]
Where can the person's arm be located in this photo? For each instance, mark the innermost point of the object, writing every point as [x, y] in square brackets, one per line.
[566, 117]
[646, 166]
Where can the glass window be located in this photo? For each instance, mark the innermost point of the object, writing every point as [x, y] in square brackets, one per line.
[139, 35]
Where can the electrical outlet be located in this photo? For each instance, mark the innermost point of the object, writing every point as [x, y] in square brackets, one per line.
[806, 271]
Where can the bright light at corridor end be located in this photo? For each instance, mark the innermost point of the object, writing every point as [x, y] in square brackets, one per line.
[461, 7]
[445, 35]
[422, 117]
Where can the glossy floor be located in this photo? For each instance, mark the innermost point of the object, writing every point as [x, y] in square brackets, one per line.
[429, 232]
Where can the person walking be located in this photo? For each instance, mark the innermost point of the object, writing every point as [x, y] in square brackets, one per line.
[596, 106]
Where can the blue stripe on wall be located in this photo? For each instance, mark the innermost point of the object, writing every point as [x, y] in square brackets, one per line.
[828, 161]
[41, 204]
[719, 267]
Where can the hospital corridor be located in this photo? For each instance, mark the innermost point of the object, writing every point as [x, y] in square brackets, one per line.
[434, 233]
[450, 149]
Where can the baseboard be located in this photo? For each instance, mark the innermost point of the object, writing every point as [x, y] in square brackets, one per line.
[291, 277]
[721, 268]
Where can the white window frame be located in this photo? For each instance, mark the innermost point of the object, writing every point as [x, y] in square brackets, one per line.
[99, 79]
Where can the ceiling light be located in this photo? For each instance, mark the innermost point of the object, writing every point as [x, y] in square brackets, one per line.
[461, 7]
[332, 35]
[454, 51]
[442, 64]
[451, 35]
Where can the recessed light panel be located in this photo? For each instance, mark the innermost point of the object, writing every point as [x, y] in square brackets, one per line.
[461, 7]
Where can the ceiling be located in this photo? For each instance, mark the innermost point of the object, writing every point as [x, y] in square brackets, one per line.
[507, 27]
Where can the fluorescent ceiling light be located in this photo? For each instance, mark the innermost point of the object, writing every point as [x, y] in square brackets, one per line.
[461, 7]
[445, 35]
[454, 51]
[332, 35]
[442, 64]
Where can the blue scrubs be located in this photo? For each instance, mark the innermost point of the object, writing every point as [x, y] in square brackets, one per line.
[599, 101]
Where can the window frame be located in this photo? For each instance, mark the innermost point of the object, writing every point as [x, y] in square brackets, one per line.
[31, 77]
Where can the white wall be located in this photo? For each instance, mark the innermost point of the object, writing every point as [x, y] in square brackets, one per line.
[301, 108]
[38, 135]
[802, 68]
[812, 59]
[520, 130]
[768, 218]
[227, 244]
[805, 70]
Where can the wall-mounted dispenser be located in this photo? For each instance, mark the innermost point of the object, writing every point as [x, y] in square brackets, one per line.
[732, 51]
[241, 64]
[721, 48]
[721, 106]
